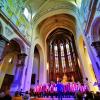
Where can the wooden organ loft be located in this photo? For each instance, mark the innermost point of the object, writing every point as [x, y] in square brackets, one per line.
[62, 56]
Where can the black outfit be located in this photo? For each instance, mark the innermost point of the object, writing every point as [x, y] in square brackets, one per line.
[7, 97]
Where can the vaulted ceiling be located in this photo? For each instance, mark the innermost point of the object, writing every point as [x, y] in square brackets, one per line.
[46, 15]
[54, 22]
[39, 8]
[51, 14]
[36, 5]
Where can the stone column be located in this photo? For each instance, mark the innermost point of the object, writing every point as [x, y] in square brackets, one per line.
[23, 74]
[76, 65]
[28, 71]
[16, 82]
[96, 46]
[19, 73]
[3, 43]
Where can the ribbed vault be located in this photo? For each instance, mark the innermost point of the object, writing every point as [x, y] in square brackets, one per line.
[57, 21]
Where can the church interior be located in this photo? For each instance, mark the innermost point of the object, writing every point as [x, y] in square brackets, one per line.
[49, 41]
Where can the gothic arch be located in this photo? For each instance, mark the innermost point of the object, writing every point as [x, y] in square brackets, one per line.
[21, 44]
[55, 9]
[40, 63]
[65, 21]
[63, 27]
[95, 30]
[8, 66]
[59, 42]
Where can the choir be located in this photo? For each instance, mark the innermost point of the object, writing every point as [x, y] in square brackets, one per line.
[53, 89]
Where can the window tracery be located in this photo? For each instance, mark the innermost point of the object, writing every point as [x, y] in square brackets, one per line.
[62, 57]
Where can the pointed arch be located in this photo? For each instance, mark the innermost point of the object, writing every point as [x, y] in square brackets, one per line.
[95, 30]
[21, 44]
[40, 64]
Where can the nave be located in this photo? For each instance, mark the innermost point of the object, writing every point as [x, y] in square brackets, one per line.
[46, 44]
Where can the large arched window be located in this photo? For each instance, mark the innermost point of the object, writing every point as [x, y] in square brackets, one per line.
[62, 57]
[70, 54]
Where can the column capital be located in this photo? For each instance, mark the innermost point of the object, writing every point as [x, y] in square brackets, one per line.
[21, 59]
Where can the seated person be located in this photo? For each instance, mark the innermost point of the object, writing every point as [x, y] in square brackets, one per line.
[26, 96]
[17, 96]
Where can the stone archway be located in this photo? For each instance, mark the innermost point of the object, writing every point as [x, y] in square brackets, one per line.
[95, 35]
[8, 63]
[95, 30]
[9, 67]
[21, 44]
[87, 65]
[38, 65]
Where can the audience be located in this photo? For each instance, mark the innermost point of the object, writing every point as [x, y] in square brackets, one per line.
[17, 96]
[2, 94]
[97, 96]
[26, 96]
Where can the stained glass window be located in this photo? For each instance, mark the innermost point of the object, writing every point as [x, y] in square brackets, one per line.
[67, 48]
[56, 56]
[62, 55]
[70, 54]
[56, 50]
